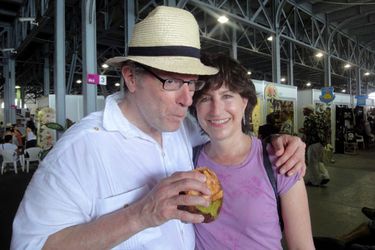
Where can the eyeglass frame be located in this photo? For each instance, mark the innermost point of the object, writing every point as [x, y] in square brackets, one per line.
[182, 82]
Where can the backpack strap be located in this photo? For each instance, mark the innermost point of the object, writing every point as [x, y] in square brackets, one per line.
[196, 151]
[268, 166]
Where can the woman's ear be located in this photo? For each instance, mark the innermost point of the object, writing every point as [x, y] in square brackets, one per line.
[129, 77]
[245, 101]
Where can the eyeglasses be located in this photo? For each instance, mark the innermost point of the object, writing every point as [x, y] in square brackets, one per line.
[176, 84]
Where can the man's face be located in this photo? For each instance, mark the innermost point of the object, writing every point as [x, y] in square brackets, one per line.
[159, 110]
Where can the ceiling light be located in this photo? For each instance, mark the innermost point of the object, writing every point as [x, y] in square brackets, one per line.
[343, 91]
[319, 54]
[367, 73]
[282, 79]
[11, 50]
[249, 72]
[28, 19]
[223, 19]
[308, 84]
[347, 66]
[105, 66]
[270, 38]
[117, 84]
[79, 81]
[17, 87]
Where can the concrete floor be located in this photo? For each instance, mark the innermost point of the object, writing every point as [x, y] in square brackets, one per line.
[336, 209]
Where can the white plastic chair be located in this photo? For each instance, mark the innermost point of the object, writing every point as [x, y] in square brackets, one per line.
[9, 156]
[33, 156]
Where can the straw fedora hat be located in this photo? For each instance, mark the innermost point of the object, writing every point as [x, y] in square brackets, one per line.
[167, 39]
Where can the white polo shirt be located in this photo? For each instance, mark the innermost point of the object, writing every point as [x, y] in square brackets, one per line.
[98, 166]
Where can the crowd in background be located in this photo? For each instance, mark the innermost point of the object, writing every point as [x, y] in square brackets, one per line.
[11, 137]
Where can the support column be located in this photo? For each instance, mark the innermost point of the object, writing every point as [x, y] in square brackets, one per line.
[276, 68]
[129, 21]
[6, 93]
[59, 74]
[170, 3]
[234, 43]
[46, 78]
[89, 59]
[327, 70]
[11, 90]
[358, 80]
[291, 64]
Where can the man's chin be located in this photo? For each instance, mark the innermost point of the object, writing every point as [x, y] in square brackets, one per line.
[172, 126]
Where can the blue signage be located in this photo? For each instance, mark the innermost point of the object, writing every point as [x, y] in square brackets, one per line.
[361, 100]
[327, 95]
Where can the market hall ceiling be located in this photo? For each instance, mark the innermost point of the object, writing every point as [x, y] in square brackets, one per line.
[303, 26]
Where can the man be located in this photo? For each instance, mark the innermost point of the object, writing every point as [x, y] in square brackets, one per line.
[315, 130]
[114, 180]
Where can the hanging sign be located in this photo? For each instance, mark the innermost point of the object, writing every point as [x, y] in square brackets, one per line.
[270, 91]
[361, 100]
[102, 80]
[93, 78]
[97, 79]
[327, 95]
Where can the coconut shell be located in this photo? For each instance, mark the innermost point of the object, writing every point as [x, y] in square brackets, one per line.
[211, 212]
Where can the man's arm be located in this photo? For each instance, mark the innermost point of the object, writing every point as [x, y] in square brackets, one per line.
[157, 207]
[291, 152]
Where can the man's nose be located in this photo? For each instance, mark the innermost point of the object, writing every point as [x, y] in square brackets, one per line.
[185, 97]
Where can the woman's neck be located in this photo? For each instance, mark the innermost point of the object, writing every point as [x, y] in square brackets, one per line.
[231, 151]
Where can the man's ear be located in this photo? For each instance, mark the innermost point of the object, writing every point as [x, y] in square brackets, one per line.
[129, 77]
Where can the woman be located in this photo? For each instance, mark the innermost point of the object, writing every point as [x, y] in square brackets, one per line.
[30, 134]
[248, 217]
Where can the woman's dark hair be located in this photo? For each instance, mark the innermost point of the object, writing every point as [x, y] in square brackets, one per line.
[232, 75]
[31, 125]
[8, 138]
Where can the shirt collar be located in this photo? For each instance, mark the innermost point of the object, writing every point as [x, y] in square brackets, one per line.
[114, 119]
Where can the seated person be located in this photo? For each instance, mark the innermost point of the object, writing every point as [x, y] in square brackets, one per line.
[8, 145]
[269, 128]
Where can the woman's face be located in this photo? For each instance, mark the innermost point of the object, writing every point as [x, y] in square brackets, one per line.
[220, 113]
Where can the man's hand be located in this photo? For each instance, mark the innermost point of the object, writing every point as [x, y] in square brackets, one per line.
[291, 152]
[160, 205]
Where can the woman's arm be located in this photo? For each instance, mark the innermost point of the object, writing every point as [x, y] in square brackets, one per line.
[296, 216]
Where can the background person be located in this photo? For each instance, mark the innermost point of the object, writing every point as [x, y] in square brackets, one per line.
[286, 123]
[315, 130]
[114, 179]
[269, 128]
[249, 216]
[30, 135]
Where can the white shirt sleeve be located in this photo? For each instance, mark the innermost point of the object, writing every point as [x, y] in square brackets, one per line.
[55, 199]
